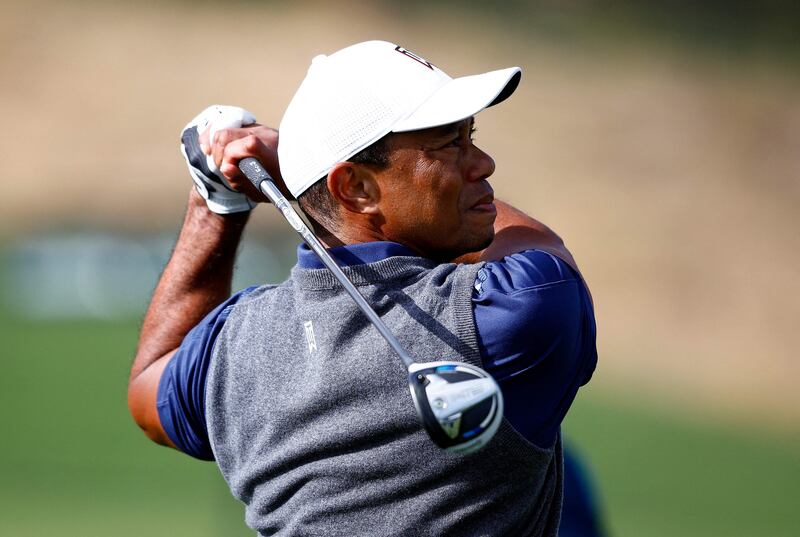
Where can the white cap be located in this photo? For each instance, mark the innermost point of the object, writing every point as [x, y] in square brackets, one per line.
[357, 95]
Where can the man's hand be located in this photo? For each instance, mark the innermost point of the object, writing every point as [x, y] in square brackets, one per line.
[213, 143]
[220, 196]
[226, 147]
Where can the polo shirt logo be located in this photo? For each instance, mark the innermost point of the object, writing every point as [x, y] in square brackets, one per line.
[310, 339]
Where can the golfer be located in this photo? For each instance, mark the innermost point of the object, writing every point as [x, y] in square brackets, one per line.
[290, 389]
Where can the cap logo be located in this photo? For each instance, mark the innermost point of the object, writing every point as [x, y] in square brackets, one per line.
[414, 57]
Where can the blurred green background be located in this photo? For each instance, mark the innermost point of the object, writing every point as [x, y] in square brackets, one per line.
[662, 141]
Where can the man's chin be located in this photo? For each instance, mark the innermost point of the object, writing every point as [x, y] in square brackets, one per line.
[482, 245]
[483, 240]
[473, 245]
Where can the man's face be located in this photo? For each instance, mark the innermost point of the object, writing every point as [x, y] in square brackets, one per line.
[435, 197]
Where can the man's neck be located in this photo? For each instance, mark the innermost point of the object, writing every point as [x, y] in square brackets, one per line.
[346, 235]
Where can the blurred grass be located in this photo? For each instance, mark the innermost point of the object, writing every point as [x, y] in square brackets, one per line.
[665, 473]
[73, 463]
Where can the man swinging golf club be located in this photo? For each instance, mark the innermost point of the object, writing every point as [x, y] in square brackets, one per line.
[299, 391]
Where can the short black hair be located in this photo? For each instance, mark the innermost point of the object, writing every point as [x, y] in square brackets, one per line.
[376, 154]
[318, 203]
[319, 206]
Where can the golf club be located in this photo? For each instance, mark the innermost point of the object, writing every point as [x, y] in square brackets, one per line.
[459, 405]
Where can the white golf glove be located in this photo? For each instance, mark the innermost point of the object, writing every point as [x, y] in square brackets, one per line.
[220, 197]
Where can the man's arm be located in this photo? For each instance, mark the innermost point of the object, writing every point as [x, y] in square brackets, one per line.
[196, 279]
[199, 273]
[515, 231]
[535, 323]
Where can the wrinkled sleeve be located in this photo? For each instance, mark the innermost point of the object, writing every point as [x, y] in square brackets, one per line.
[537, 337]
[182, 387]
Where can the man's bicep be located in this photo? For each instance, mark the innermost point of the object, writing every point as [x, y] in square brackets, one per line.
[168, 401]
[143, 400]
[181, 397]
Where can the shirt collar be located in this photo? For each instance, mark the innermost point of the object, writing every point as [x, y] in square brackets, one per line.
[353, 254]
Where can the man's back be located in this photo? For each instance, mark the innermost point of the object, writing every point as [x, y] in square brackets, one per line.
[311, 421]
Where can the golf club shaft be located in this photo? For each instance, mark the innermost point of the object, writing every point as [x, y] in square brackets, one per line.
[263, 181]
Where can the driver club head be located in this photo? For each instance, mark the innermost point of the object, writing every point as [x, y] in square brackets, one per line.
[460, 405]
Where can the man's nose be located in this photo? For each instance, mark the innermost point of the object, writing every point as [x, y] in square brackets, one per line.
[481, 165]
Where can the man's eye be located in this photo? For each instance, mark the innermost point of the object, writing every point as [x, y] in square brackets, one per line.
[458, 140]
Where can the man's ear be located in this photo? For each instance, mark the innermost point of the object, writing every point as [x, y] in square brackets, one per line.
[355, 187]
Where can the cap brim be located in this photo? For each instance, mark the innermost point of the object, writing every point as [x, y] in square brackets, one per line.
[461, 98]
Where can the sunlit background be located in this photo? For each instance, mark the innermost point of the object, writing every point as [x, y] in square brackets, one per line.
[662, 143]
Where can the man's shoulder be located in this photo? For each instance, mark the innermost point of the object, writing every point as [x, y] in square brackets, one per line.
[258, 292]
[450, 275]
[527, 301]
[527, 270]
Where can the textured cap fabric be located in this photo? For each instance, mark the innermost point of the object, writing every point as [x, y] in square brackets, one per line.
[354, 97]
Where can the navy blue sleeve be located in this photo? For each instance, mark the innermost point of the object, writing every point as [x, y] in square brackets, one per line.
[182, 389]
[537, 338]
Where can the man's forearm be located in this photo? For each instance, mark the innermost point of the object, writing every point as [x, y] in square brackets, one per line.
[196, 279]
